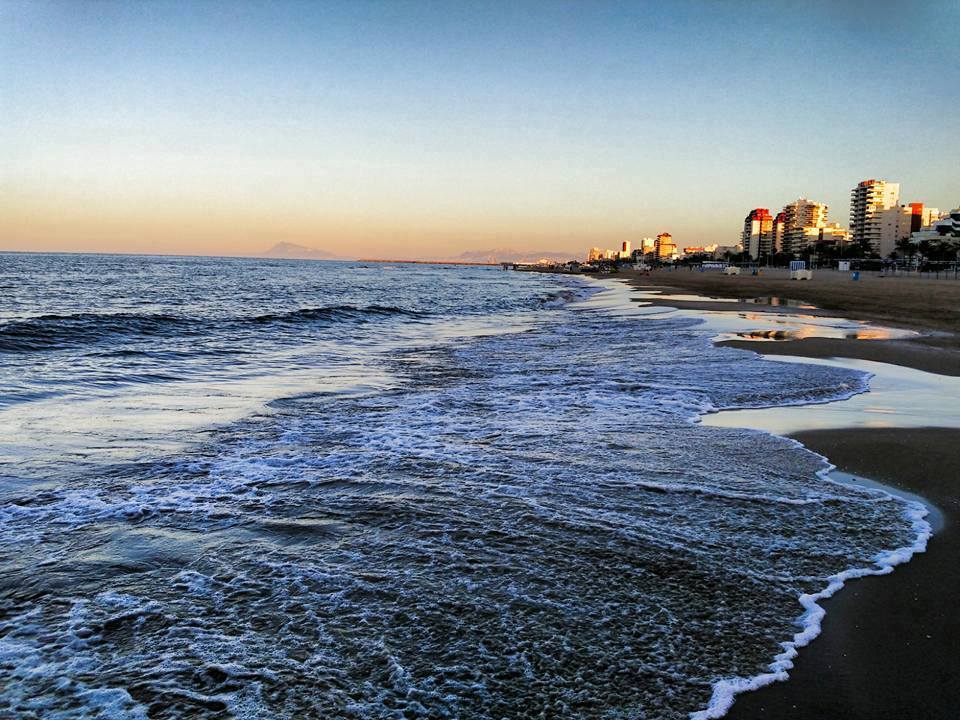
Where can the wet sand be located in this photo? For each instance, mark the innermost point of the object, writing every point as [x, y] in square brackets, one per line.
[908, 353]
[889, 646]
[931, 307]
[917, 303]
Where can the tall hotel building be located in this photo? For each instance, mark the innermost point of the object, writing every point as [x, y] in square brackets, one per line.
[757, 235]
[871, 226]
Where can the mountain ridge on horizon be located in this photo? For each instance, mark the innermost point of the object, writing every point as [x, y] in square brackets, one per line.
[510, 255]
[295, 251]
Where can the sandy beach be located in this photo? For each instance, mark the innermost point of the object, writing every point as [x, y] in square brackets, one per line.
[888, 643]
[902, 301]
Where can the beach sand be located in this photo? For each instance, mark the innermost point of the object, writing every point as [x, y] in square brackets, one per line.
[931, 307]
[912, 302]
[890, 645]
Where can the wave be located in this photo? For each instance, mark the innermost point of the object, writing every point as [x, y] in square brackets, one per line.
[50, 332]
[53, 332]
[337, 313]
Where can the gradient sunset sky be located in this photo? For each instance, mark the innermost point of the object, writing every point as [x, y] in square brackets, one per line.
[428, 128]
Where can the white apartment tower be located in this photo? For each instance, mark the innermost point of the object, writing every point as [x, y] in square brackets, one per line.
[871, 225]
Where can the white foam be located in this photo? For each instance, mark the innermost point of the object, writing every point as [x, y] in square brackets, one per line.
[726, 690]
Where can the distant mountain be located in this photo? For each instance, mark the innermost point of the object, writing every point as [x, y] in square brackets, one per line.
[292, 251]
[510, 255]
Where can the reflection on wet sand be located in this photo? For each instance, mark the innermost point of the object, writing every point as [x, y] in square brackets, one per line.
[866, 333]
[779, 302]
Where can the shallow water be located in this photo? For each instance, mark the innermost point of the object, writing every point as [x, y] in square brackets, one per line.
[395, 492]
[898, 397]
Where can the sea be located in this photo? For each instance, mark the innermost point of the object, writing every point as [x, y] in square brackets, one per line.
[243, 488]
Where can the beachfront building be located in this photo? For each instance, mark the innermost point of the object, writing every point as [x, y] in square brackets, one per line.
[819, 238]
[800, 219]
[871, 225]
[946, 229]
[699, 249]
[665, 248]
[625, 250]
[595, 254]
[723, 251]
[757, 235]
[779, 229]
[898, 223]
[922, 217]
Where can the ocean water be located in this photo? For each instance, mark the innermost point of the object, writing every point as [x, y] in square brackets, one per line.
[275, 489]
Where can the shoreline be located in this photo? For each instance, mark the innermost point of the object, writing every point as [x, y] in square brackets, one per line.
[886, 645]
[935, 348]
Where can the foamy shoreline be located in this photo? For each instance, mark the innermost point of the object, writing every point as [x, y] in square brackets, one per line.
[806, 689]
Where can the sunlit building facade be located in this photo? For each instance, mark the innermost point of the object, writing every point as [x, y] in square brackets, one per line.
[800, 218]
[665, 247]
[757, 235]
[872, 225]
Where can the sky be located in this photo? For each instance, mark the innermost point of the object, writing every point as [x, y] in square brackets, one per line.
[421, 129]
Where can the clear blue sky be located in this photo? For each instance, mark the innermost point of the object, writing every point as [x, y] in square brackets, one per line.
[433, 127]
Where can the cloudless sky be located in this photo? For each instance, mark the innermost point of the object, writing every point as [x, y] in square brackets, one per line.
[429, 128]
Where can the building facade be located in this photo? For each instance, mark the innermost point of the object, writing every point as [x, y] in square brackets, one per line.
[945, 228]
[872, 224]
[800, 218]
[779, 229]
[665, 248]
[757, 235]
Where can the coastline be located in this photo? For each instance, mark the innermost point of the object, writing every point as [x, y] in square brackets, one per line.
[887, 645]
[930, 308]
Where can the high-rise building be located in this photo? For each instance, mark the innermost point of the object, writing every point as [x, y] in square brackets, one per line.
[625, 249]
[595, 254]
[779, 229]
[648, 244]
[797, 217]
[757, 235]
[665, 247]
[870, 225]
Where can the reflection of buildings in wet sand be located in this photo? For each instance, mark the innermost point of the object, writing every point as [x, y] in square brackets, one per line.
[812, 331]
